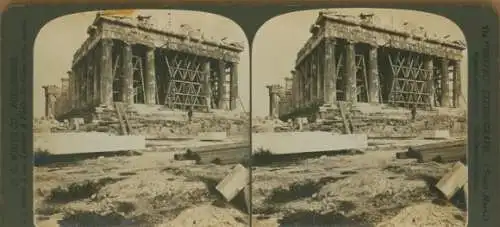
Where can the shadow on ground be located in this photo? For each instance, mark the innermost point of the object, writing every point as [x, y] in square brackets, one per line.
[313, 219]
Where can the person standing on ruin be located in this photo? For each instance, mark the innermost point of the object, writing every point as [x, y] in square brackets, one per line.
[413, 112]
[190, 113]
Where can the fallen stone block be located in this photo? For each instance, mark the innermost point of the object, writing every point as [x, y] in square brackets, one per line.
[212, 136]
[445, 151]
[452, 181]
[233, 183]
[224, 153]
[437, 134]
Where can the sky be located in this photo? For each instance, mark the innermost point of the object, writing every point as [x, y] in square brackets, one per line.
[275, 46]
[59, 39]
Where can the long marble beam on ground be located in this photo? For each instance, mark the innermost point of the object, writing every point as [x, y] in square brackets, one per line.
[77, 143]
[306, 142]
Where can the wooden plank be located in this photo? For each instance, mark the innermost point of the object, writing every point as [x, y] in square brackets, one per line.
[306, 142]
[438, 145]
[233, 183]
[223, 157]
[120, 119]
[127, 122]
[347, 129]
[217, 147]
[446, 154]
[452, 181]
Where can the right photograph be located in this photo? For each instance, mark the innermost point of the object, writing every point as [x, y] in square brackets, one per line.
[359, 118]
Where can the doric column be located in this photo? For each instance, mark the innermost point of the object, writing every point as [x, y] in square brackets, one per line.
[71, 90]
[273, 101]
[222, 85]
[429, 69]
[445, 83]
[78, 84]
[207, 89]
[150, 77]
[50, 100]
[457, 84]
[65, 101]
[330, 72]
[350, 91]
[293, 100]
[106, 72]
[301, 87]
[96, 77]
[234, 85]
[311, 80]
[373, 78]
[127, 75]
[318, 74]
[89, 77]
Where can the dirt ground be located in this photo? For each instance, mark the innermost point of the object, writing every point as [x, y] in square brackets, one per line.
[150, 189]
[370, 189]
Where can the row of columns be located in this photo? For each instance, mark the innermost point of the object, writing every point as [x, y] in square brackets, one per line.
[227, 96]
[102, 87]
[301, 98]
[450, 95]
[326, 82]
[97, 85]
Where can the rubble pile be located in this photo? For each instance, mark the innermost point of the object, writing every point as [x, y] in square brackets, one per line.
[383, 124]
[260, 125]
[153, 126]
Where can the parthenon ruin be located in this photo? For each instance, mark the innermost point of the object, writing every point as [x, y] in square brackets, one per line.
[355, 60]
[132, 61]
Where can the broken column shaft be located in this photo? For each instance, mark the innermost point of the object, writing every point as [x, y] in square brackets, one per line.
[273, 101]
[106, 72]
[51, 93]
[64, 104]
[373, 78]
[330, 72]
[127, 75]
[350, 92]
[150, 77]
[445, 83]
[457, 84]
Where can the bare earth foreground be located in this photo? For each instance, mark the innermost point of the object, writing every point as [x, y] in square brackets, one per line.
[146, 190]
[373, 189]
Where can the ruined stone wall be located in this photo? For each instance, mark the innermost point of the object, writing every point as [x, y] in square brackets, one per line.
[169, 124]
[395, 122]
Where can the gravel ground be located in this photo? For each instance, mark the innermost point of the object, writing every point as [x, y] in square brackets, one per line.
[147, 190]
[370, 189]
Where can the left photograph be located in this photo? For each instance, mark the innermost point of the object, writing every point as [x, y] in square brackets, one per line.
[141, 118]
